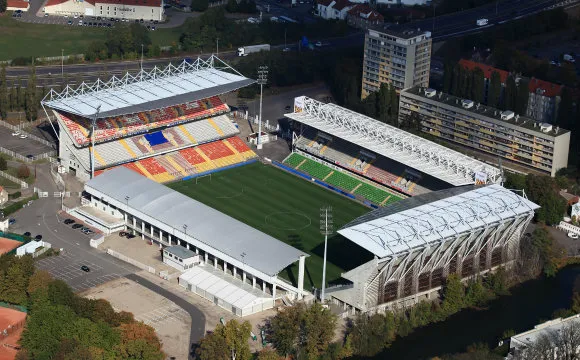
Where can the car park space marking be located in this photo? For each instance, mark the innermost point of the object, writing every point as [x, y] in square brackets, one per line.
[158, 316]
[69, 271]
[90, 283]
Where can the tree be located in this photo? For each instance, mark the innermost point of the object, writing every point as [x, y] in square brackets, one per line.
[23, 172]
[509, 99]
[453, 295]
[213, 348]
[138, 342]
[447, 77]
[30, 100]
[285, 329]
[199, 5]
[522, 96]
[494, 90]
[394, 105]
[229, 341]
[477, 85]
[369, 335]
[232, 6]
[542, 240]
[3, 163]
[4, 100]
[268, 354]
[383, 103]
[318, 329]
[3, 5]
[456, 80]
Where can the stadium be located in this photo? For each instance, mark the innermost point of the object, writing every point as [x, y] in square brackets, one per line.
[161, 155]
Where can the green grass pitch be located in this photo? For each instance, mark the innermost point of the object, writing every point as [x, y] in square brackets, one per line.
[287, 208]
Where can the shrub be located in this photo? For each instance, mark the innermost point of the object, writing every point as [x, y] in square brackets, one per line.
[3, 163]
[23, 172]
[15, 195]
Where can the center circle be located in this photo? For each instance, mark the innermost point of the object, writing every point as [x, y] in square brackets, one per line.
[288, 220]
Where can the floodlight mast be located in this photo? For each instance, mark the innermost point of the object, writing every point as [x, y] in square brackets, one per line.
[262, 80]
[93, 123]
[326, 226]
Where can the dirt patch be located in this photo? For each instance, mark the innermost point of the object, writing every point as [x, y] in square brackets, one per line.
[11, 326]
[7, 245]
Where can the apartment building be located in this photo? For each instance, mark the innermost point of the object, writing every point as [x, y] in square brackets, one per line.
[520, 140]
[399, 58]
[363, 16]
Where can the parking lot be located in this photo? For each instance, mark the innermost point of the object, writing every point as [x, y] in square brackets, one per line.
[67, 267]
[21, 146]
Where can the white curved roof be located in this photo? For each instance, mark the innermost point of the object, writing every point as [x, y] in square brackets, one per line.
[148, 90]
[438, 161]
[434, 217]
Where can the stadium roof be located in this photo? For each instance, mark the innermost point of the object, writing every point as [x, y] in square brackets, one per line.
[414, 151]
[430, 218]
[148, 90]
[205, 224]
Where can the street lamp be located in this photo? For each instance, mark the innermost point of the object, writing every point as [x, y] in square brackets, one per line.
[62, 62]
[243, 256]
[325, 229]
[262, 80]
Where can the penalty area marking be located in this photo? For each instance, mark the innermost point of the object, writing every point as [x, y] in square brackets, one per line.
[268, 219]
[235, 195]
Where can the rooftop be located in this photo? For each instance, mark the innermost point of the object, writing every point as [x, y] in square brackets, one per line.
[151, 3]
[383, 139]
[20, 4]
[487, 69]
[529, 337]
[487, 111]
[434, 217]
[190, 218]
[549, 89]
[158, 88]
[180, 251]
[366, 12]
[403, 33]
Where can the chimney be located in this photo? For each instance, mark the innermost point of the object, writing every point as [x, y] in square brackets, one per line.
[557, 129]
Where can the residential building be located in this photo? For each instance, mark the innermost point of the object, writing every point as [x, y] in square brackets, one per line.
[554, 331]
[21, 5]
[333, 9]
[399, 58]
[3, 196]
[363, 16]
[533, 145]
[124, 9]
[544, 96]
[180, 257]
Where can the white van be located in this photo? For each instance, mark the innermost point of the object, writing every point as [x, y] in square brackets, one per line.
[482, 22]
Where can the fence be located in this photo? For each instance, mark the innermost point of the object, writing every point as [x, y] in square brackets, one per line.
[569, 227]
[60, 58]
[23, 184]
[14, 127]
[43, 250]
[94, 243]
[130, 261]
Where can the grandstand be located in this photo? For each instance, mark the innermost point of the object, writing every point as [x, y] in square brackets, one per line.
[380, 152]
[417, 242]
[165, 124]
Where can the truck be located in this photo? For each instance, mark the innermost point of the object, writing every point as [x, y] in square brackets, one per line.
[482, 22]
[247, 50]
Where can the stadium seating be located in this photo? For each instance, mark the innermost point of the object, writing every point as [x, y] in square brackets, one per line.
[341, 180]
[110, 128]
[178, 164]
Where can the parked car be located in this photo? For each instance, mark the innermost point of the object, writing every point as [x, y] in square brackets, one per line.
[288, 107]
[69, 221]
[77, 226]
[85, 268]
[27, 234]
[38, 237]
[318, 44]
[11, 221]
[122, 234]
[23, 136]
[572, 235]
[130, 236]
[16, 133]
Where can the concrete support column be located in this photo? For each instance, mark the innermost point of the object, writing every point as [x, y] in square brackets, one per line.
[263, 286]
[151, 232]
[301, 276]
[160, 235]
[160, 246]
[244, 276]
[197, 251]
[206, 258]
[126, 222]
[274, 292]
[134, 222]
[142, 230]
[235, 271]
[225, 267]
[215, 263]
[169, 239]
[253, 281]
[188, 246]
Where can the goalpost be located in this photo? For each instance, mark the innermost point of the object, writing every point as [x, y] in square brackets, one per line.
[202, 176]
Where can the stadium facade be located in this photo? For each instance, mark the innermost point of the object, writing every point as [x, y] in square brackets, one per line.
[419, 241]
[149, 10]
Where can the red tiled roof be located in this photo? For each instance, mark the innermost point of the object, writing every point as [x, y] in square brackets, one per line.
[550, 89]
[366, 12]
[55, 2]
[487, 70]
[1, 189]
[325, 2]
[152, 3]
[20, 4]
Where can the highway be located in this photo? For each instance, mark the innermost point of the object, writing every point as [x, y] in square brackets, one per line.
[442, 28]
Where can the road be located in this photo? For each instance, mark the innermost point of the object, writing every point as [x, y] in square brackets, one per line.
[42, 218]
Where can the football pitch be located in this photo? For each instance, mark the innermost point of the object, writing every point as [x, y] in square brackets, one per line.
[287, 208]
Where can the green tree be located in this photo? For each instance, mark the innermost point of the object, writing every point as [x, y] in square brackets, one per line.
[453, 295]
[509, 99]
[456, 80]
[369, 335]
[447, 77]
[199, 5]
[3, 163]
[550, 257]
[494, 90]
[394, 105]
[4, 99]
[318, 326]
[213, 348]
[232, 6]
[30, 97]
[3, 5]
[477, 85]
[138, 342]
[268, 354]
[543, 191]
[285, 329]
[567, 111]
[383, 103]
[522, 96]
[476, 293]
[23, 171]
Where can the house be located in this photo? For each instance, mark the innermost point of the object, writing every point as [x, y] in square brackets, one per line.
[362, 16]
[3, 196]
[180, 257]
[333, 9]
[544, 97]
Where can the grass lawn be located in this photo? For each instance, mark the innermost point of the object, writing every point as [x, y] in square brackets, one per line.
[8, 185]
[20, 39]
[287, 208]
